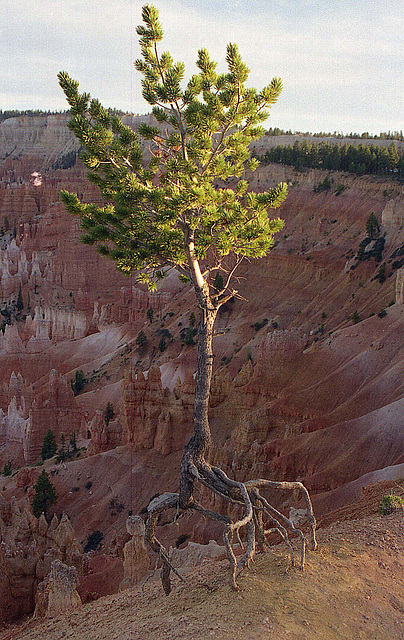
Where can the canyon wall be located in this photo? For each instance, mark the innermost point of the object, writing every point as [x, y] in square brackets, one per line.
[309, 360]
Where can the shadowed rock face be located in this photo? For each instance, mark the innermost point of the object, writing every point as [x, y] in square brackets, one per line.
[308, 379]
[28, 547]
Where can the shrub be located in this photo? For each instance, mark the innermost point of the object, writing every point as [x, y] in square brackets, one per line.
[116, 506]
[88, 485]
[187, 335]
[355, 317]
[397, 264]
[73, 442]
[258, 325]
[390, 503]
[141, 341]
[20, 303]
[340, 189]
[325, 185]
[7, 468]
[382, 313]
[62, 453]
[381, 274]
[93, 541]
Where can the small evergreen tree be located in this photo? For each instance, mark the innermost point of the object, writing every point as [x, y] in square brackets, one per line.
[372, 226]
[381, 274]
[355, 317]
[141, 341]
[20, 302]
[49, 446]
[62, 453]
[7, 468]
[109, 413]
[79, 382]
[73, 442]
[149, 314]
[93, 541]
[45, 495]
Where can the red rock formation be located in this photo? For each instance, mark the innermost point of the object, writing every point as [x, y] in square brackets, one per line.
[136, 562]
[28, 547]
[156, 418]
[299, 389]
[55, 407]
[57, 594]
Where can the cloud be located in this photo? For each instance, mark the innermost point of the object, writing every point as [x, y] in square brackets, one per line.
[331, 56]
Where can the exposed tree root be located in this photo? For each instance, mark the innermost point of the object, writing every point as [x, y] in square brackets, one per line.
[256, 509]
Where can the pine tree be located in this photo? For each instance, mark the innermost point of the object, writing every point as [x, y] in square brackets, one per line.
[141, 341]
[7, 468]
[172, 209]
[79, 382]
[109, 413]
[45, 495]
[73, 442]
[372, 226]
[62, 453]
[49, 446]
[20, 302]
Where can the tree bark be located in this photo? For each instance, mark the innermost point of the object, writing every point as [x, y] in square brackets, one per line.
[197, 449]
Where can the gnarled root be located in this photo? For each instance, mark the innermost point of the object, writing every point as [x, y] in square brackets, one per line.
[155, 509]
[255, 508]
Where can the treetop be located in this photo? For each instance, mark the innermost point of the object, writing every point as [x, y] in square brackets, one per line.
[182, 181]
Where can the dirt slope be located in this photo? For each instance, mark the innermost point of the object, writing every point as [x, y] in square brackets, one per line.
[352, 587]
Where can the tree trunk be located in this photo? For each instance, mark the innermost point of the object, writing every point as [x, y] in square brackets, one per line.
[202, 436]
[198, 446]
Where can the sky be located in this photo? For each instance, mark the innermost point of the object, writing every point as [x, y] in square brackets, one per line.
[341, 61]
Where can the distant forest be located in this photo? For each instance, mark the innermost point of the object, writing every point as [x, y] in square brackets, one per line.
[360, 159]
[383, 135]
[14, 113]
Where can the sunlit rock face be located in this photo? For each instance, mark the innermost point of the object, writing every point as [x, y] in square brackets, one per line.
[57, 593]
[136, 558]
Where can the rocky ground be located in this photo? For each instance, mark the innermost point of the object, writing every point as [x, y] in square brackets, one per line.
[352, 587]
